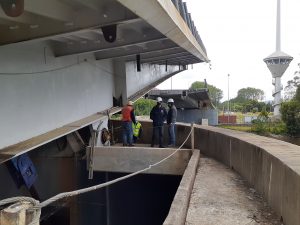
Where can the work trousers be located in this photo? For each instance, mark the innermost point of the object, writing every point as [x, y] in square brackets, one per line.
[157, 133]
[171, 131]
[127, 132]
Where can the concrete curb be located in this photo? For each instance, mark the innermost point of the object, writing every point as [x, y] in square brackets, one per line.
[178, 211]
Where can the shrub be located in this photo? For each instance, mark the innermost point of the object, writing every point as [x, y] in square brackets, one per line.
[290, 112]
[278, 128]
[259, 126]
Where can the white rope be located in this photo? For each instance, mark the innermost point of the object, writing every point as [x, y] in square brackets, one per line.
[18, 199]
[93, 188]
[37, 206]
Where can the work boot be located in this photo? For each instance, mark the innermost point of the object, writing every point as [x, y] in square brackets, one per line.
[161, 146]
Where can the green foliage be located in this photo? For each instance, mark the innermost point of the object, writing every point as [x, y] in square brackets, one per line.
[264, 127]
[259, 127]
[143, 106]
[290, 89]
[297, 94]
[116, 117]
[264, 115]
[215, 93]
[252, 106]
[246, 94]
[237, 107]
[292, 86]
[278, 128]
[290, 112]
[254, 110]
[247, 100]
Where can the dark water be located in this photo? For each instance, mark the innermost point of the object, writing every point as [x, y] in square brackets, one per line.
[140, 200]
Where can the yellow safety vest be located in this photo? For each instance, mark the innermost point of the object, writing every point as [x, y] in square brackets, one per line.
[136, 128]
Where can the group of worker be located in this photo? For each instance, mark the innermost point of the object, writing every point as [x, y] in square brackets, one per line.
[132, 128]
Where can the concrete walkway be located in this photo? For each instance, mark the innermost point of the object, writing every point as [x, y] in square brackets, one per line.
[221, 197]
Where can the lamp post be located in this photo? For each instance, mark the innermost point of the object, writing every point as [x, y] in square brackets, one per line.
[228, 107]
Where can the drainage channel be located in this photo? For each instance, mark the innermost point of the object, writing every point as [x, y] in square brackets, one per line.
[144, 184]
[143, 199]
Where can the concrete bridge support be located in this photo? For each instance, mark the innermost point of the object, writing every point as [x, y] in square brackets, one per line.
[132, 159]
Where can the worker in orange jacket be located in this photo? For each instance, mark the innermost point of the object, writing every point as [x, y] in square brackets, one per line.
[128, 118]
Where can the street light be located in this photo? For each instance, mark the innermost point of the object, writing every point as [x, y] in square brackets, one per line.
[228, 108]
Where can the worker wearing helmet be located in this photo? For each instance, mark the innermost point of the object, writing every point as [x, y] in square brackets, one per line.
[171, 120]
[128, 118]
[159, 115]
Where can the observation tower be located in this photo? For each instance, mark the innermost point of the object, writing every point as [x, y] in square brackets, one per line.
[277, 63]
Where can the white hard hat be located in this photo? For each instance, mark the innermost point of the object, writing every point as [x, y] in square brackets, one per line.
[130, 103]
[159, 99]
[170, 100]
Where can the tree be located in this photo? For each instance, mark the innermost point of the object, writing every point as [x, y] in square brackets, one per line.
[215, 93]
[292, 86]
[249, 93]
[143, 106]
[290, 114]
[290, 89]
[290, 110]
[297, 94]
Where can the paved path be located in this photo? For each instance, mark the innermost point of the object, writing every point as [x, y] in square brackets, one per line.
[221, 197]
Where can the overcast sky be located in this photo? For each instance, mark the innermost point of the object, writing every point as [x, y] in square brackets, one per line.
[238, 35]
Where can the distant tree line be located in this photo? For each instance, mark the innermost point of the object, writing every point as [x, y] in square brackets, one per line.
[248, 99]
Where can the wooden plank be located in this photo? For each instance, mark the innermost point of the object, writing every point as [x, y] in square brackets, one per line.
[132, 159]
[17, 214]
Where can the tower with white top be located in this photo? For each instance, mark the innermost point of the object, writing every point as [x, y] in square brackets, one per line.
[277, 63]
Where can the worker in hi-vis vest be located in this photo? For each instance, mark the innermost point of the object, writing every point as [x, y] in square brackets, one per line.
[137, 131]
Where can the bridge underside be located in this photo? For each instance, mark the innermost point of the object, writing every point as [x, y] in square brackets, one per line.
[64, 61]
[107, 28]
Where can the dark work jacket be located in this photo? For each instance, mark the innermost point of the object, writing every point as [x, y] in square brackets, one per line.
[172, 114]
[158, 115]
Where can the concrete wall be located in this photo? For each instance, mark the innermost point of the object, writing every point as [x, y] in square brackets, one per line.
[150, 73]
[39, 93]
[33, 104]
[271, 166]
